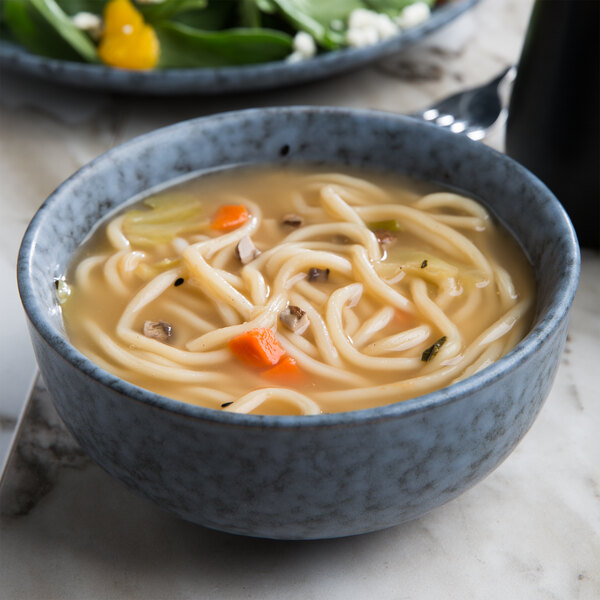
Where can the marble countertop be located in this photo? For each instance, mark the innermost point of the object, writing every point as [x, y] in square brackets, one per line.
[67, 530]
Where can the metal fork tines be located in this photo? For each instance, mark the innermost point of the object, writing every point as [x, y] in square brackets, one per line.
[472, 112]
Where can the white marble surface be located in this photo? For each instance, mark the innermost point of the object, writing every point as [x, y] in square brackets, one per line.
[530, 530]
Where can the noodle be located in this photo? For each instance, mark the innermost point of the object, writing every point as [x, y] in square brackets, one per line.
[373, 291]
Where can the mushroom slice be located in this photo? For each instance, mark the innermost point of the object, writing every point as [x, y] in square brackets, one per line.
[318, 275]
[292, 220]
[246, 251]
[384, 237]
[294, 318]
[338, 238]
[158, 330]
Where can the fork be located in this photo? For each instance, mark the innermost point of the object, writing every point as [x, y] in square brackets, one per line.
[472, 112]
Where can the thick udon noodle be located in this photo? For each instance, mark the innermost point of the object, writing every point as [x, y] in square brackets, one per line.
[452, 283]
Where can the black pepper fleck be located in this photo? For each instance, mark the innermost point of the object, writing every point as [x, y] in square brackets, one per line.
[424, 264]
[226, 404]
[178, 282]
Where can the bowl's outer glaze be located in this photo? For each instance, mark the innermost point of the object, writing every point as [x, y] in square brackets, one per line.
[302, 477]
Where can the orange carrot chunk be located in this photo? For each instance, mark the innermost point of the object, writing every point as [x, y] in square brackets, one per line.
[229, 217]
[257, 348]
[285, 372]
[404, 319]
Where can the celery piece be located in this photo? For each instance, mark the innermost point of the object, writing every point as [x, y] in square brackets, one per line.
[387, 225]
[169, 216]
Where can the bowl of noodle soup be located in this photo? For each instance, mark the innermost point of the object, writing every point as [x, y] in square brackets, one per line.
[299, 323]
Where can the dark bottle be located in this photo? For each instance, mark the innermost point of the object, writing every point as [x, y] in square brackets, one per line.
[553, 126]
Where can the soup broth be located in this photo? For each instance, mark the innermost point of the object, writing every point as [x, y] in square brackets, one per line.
[299, 290]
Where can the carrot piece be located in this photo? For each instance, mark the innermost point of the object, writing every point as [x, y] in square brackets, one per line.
[257, 348]
[229, 217]
[404, 319]
[285, 372]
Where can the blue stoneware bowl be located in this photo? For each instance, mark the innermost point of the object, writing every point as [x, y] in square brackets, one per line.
[301, 477]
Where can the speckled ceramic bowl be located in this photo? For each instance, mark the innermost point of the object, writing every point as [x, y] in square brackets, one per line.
[301, 477]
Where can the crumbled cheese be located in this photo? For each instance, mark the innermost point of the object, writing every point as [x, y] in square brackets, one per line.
[304, 47]
[305, 44]
[413, 14]
[359, 38]
[88, 22]
[366, 27]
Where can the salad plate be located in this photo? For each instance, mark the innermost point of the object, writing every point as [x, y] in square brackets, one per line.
[222, 79]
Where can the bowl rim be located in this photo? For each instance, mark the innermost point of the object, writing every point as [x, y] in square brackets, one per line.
[553, 315]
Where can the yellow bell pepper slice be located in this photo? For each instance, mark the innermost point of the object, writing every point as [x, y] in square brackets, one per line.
[127, 42]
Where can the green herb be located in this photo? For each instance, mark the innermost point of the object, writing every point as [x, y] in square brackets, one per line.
[432, 350]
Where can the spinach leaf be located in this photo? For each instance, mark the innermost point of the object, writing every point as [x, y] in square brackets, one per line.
[266, 6]
[184, 46]
[167, 9]
[316, 16]
[392, 7]
[62, 24]
[72, 7]
[249, 13]
[30, 28]
[218, 14]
